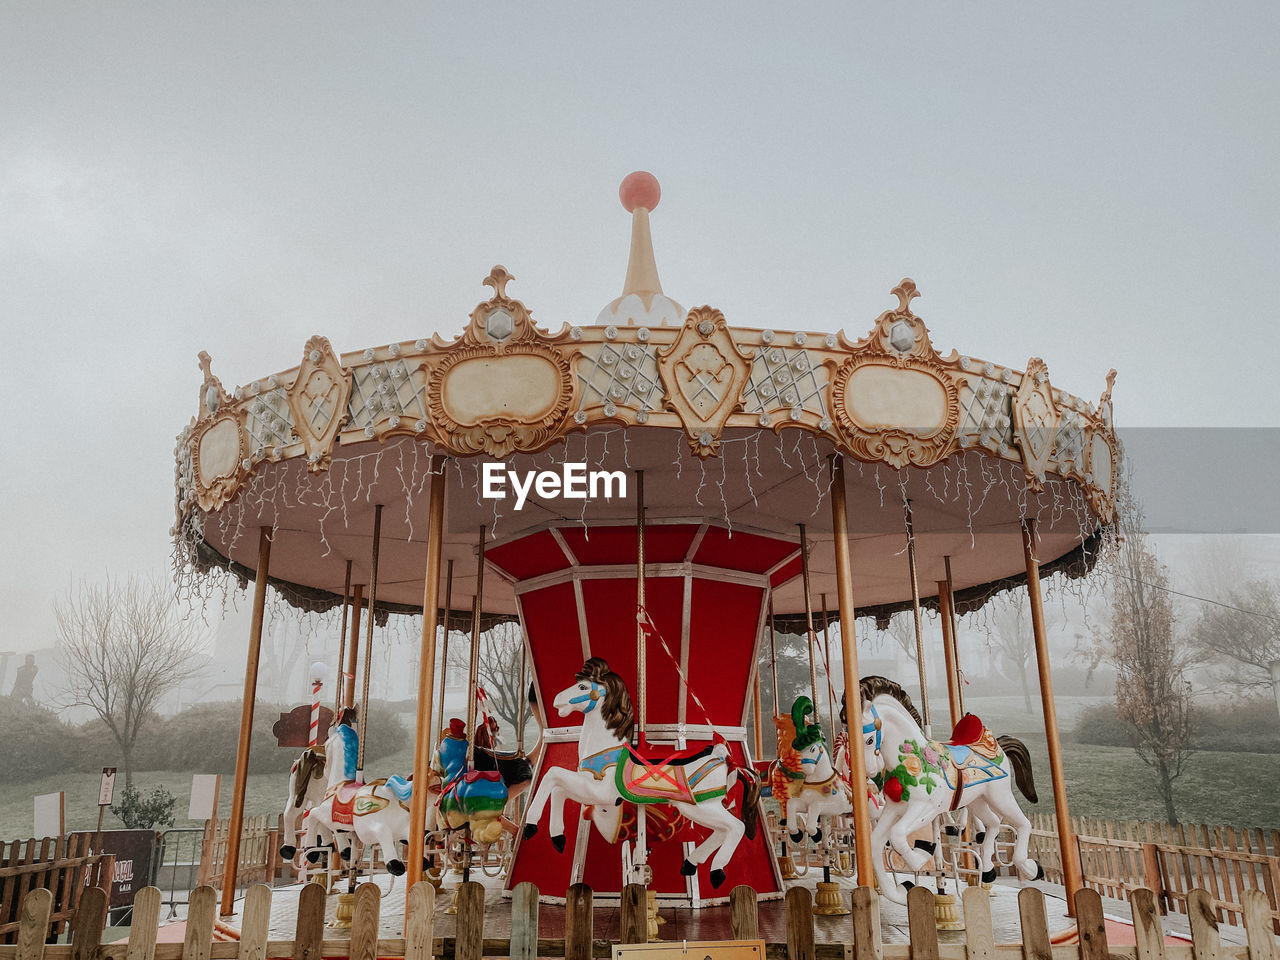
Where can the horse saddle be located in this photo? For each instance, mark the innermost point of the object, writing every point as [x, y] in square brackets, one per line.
[972, 735]
[675, 777]
[344, 798]
[401, 787]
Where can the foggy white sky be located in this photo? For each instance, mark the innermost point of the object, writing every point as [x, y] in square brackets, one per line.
[1092, 185]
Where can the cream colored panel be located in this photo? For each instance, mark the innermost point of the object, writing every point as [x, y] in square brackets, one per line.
[515, 386]
[1100, 465]
[878, 396]
[219, 451]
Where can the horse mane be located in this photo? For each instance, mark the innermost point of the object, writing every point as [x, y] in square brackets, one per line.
[616, 711]
[871, 687]
[308, 766]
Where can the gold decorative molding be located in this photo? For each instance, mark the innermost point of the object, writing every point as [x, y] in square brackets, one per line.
[501, 387]
[1035, 421]
[704, 374]
[212, 396]
[219, 454]
[893, 399]
[318, 401]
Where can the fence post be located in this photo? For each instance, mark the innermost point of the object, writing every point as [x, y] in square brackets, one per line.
[1204, 925]
[921, 924]
[365, 916]
[635, 914]
[1147, 933]
[744, 918]
[979, 937]
[1091, 927]
[470, 922]
[309, 926]
[419, 922]
[1035, 925]
[1257, 925]
[1152, 878]
[33, 920]
[144, 924]
[88, 923]
[577, 923]
[799, 910]
[201, 913]
[524, 922]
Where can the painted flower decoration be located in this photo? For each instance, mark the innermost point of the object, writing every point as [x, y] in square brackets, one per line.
[912, 763]
[907, 747]
[930, 755]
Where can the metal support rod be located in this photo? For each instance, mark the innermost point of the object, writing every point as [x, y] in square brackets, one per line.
[755, 715]
[473, 666]
[342, 643]
[353, 648]
[955, 633]
[522, 698]
[236, 824]
[849, 650]
[833, 715]
[641, 664]
[444, 654]
[1066, 837]
[915, 612]
[949, 652]
[808, 619]
[422, 745]
[368, 639]
[773, 654]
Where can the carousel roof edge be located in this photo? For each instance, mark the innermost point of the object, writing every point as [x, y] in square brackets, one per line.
[504, 386]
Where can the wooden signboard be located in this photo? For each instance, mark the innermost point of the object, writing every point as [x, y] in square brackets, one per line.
[691, 950]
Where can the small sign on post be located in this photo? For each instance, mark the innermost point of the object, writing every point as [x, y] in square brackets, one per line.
[50, 818]
[108, 788]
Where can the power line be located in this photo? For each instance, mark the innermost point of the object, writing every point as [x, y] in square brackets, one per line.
[1190, 596]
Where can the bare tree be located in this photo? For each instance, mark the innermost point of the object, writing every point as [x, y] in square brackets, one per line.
[124, 644]
[1153, 697]
[1243, 630]
[500, 655]
[1013, 640]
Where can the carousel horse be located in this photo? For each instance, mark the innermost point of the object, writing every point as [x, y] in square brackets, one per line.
[806, 783]
[610, 771]
[922, 779]
[376, 812]
[306, 789]
[466, 797]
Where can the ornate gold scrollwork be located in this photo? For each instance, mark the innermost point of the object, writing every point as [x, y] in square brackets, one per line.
[893, 400]
[704, 374]
[219, 444]
[318, 400]
[1101, 451]
[1035, 421]
[502, 386]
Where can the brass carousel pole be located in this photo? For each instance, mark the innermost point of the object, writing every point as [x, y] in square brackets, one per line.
[342, 643]
[853, 696]
[641, 857]
[955, 633]
[426, 682]
[236, 824]
[808, 620]
[353, 650]
[915, 612]
[1066, 838]
[444, 654]
[473, 683]
[368, 639]
[949, 648]
[773, 653]
[832, 712]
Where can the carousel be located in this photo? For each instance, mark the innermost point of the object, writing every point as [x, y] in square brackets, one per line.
[651, 494]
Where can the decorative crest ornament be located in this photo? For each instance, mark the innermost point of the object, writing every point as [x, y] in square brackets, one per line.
[318, 400]
[503, 385]
[893, 399]
[704, 374]
[1035, 421]
[212, 395]
[219, 444]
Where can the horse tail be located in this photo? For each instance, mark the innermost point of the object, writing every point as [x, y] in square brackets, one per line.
[750, 802]
[1020, 760]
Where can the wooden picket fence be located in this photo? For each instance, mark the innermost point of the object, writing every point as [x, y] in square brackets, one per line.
[60, 865]
[1117, 857]
[259, 851]
[579, 942]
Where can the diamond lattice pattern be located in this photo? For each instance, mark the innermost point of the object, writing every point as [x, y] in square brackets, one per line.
[385, 389]
[782, 378]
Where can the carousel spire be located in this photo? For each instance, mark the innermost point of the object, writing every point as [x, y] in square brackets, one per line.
[642, 302]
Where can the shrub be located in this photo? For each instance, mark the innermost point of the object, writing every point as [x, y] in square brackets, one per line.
[36, 742]
[137, 812]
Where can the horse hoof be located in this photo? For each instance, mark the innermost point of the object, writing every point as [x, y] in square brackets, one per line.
[1039, 872]
[313, 856]
[797, 837]
[688, 869]
[618, 802]
[530, 829]
[717, 878]
[928, 846]
[782, 822]
[395, 868]
[345, 853]
[980, 836]
[907, 884]
[817, 836]
[951, 830]
[989, 876]
[288, 851]
[558, 843]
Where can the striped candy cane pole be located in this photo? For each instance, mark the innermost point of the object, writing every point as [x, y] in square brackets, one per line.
[318, 671]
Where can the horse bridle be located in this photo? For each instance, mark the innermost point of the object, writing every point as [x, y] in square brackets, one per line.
[874, 725]
[593, 695]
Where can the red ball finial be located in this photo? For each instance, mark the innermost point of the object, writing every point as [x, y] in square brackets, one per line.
[639, 189]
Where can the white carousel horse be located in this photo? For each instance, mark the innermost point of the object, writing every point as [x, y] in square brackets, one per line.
[306, 789]
[922, 779]
[376, 812]
[810, 786]
[609, 772]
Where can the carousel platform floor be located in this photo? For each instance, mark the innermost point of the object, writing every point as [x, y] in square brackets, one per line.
[712, 923]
